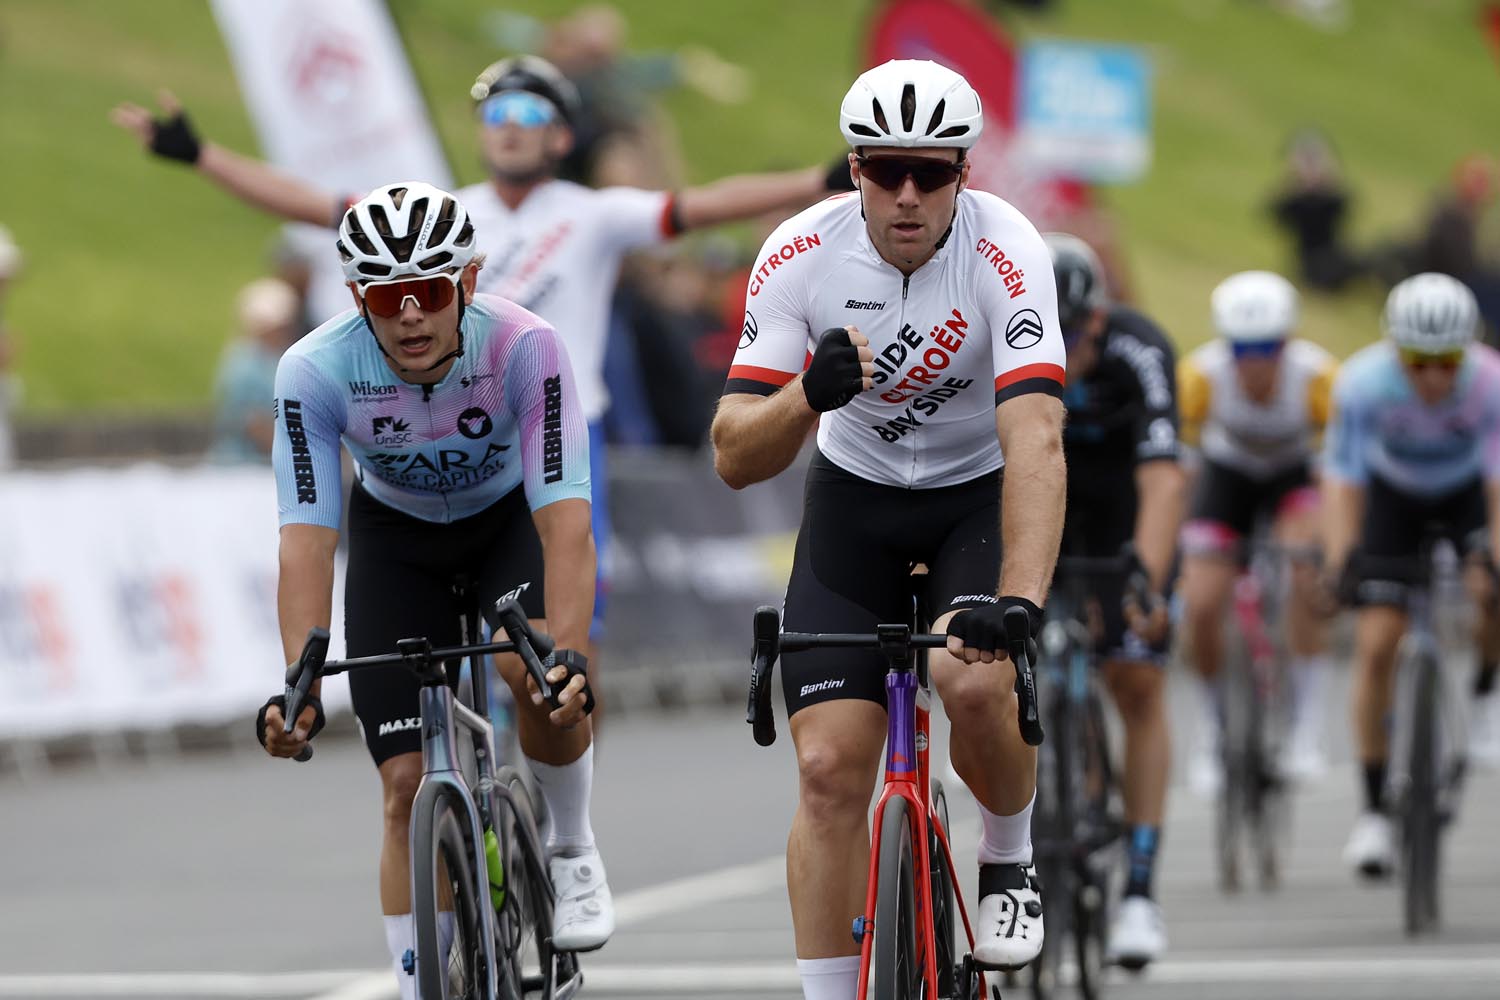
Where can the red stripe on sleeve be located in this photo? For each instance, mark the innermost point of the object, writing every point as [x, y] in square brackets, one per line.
[757, 374]
[667, 209]
[1054, 372]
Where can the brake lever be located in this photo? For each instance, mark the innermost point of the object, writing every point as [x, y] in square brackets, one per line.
[299, 680]
[1021, 648]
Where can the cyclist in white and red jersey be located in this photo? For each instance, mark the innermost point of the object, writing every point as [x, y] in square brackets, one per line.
[554, 247]
[471, 456]
[914, 324]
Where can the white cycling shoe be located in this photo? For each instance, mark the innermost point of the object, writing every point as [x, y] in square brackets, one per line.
[1371, 850]
[1008, 929]
[1138, 935]
[1304, 761]
[1205, 774]
[583, 917]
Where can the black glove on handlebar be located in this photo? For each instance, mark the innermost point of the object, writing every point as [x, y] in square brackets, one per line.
[280, 702]
[983, 628]
[175, 139]
[577, 664]
[834, 375]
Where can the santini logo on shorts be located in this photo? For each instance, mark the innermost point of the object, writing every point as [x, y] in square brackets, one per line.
[833, 685]
[400, 725]
[965, 598]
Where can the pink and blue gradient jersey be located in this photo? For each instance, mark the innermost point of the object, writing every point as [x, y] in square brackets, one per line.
[1381, 428]
[505, 414]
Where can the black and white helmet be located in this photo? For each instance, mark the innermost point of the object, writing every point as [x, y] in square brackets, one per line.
[1079, 277]
[405, 230]
[1431, 313]
[532, 74]
[913, 103]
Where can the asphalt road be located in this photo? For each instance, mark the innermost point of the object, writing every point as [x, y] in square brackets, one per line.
[231, 875]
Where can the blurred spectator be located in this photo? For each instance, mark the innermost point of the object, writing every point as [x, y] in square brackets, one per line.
[10, 386]
[621, 137]
[291, 260]
[245, 384]
[1312, 206]
[1447, 244]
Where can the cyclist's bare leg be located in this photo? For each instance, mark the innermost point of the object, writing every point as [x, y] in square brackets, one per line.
[1481, 588]
[540, 739]
[984, 742]
[1377, 631]
[1307, 639]
[1139, 690]
[1307, 632]
[1207, 579]
[399, 777]
[828, 850]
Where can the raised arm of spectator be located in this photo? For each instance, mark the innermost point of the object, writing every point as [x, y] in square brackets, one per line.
[252, 181]
[745, 196]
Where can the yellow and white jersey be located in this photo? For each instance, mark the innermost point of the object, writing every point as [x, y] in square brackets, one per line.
[1255, 439]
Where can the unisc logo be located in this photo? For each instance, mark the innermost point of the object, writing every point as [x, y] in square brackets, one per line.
[474, 423]
[1024, 330]
[389, 431]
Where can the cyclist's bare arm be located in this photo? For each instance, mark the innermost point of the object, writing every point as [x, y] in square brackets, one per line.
[568, 555]
[1034, 496]
[304, 599]
[252, 181]
[744, 196]
[1343, 505]
[757, 437]
[1161, 486]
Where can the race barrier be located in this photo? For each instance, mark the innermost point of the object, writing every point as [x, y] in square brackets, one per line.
[144, 597]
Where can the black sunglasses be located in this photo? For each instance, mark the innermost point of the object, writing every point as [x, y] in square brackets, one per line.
[890, 172]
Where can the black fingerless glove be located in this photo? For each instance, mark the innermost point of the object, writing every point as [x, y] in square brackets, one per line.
[280, 702]
[834, 375]
[983, 628]
[838, 178]
[174, 139]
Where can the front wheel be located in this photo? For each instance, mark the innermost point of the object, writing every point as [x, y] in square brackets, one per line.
[895, 965]
[1419, 813]
[443, 885]
[944, 898]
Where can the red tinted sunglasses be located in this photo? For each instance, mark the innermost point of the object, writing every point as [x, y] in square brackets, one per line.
[890, 172]
[388, 298]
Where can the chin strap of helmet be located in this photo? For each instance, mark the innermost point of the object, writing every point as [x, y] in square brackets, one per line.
[457, 352]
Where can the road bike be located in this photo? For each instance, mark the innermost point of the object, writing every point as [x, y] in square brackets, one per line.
[471, 822]
[1077, 824]
[1428, 756]
[907, 931]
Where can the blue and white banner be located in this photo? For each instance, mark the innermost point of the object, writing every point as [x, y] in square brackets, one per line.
[1085, 110]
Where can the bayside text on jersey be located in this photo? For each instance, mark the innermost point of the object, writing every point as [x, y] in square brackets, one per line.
[506, 413]
[974, 326]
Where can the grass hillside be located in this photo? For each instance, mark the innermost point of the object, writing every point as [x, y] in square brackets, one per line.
[132, 263]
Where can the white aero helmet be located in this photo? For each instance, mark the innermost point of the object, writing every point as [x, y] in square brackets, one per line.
[914, 103]
[1431, 313]
[405, 230]
[1254, 307]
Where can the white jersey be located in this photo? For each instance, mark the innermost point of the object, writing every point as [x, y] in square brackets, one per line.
[558, 254]
[972, 327]
[1256, 439]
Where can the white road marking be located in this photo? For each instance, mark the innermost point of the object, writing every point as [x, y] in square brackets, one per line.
[171, 984]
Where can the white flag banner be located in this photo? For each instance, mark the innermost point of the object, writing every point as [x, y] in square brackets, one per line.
[335, 103]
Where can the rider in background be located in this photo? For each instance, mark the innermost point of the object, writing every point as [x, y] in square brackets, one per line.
[554, 247]
[1414, 442]
[1254, 402]
[1125, 484]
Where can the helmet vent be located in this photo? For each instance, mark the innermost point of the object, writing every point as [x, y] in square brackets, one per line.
[953, 132]
[879, 115]
[908, 107]
[937, 117]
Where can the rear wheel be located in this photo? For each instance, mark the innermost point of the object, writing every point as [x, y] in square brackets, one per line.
[1420, 821]
[1091, 897]
[444, 883]
[895, 965]
[1234, 814]
[1056, 821]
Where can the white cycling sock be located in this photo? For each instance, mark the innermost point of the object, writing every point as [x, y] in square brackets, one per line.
[566, 789]
[829, 978]
[1005, 840]
[399, 938]
[1210, 712]
[1310, 676]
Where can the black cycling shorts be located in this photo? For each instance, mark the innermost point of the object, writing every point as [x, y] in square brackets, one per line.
[1394, 526]
[399, 585]
[1102, 507]
[1228, 497]
[852, 570]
